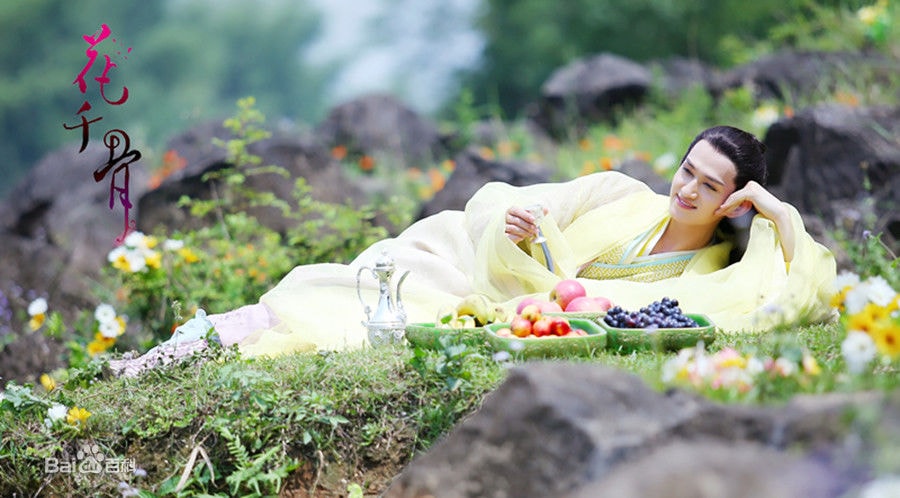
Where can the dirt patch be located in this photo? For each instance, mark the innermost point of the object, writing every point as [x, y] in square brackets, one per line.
[331, 480]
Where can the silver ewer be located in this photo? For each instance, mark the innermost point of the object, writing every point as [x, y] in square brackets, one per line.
[387, 324]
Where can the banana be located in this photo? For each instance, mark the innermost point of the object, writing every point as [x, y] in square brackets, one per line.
[482, 309]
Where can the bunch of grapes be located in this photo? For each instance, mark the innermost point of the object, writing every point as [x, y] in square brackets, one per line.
[663, 314]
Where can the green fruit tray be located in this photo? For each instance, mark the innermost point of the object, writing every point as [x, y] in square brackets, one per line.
[549, 347]
[428, 335]
[626, 340]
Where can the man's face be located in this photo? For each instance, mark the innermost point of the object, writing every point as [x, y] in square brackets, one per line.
[701, 185]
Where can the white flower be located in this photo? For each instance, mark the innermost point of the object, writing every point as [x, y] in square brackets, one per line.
[785, 367]
[136, 240]
[857, 298]
[883, 487]
[37, 307]
[110, 329]
[754, 366]
[55, 413]
[673, 366]
[858, 349]
[879, 291]
[173, 245]
[116, 253]
[845, 279]
[664, 162]
[105, 313]
[764, 116]
[136, 261]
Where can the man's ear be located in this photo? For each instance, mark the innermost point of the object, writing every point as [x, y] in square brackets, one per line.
[740, 210]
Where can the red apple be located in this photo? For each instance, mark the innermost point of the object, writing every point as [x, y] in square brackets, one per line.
[605, 303]
[587, 303]
[549, 307]
[565, 291]
[520, 326]
[525, 302]
[532, 312]
[505, 332]
[541, 327]
[559, 326]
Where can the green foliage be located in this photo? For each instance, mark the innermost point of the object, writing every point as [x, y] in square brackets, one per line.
[190, 60]
[450, 365]
[871, 256]
[234, 259]
[527, 40]
[265, 469]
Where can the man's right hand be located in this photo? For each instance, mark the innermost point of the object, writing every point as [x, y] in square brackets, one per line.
[520, 224]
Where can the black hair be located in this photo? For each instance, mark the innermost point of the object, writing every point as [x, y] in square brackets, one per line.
[742, 148]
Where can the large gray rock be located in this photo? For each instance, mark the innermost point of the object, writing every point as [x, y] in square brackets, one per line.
[834, 160]
[565, 429]
[711, 469]
[800, 75]
[588, 90]
[301, 155]
[59, 208]
[473, 171]
[380, 125]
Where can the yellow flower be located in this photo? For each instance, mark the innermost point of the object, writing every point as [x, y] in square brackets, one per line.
[837, 300]
[121, 263]
[154, 259]
[48, 382]
[36, 321]
[487, 153]
[867, 15]
[886, 334]
[587, 168]
[77, 416]
[37, 310]
[99, 344]
[894, 305]
[614, 143]
[810, 365]
[865, 319]
[506, 148]
[188, 255]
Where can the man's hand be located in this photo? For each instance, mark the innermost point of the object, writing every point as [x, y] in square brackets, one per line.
[520, 224]
[767, 205]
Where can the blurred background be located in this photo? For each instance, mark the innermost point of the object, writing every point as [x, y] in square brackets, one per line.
[192, 59]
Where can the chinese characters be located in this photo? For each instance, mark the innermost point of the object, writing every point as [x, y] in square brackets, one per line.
[119, 160]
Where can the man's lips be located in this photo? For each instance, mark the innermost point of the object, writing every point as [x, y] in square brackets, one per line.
[681, 202]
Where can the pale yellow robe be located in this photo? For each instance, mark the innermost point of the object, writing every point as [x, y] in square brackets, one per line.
[453, 254]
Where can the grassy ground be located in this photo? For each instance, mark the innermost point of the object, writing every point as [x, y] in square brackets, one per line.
[312, 421]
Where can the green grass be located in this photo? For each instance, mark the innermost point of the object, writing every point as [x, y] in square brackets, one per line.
[307, 419]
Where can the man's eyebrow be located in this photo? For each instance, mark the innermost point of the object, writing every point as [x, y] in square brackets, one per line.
[713, 179]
